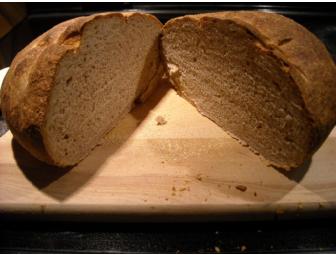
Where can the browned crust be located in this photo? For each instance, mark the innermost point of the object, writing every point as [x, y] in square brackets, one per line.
[309, 62]
[27, 85]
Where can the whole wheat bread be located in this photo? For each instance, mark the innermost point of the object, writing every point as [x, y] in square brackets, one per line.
[262, 77]
[72, 85]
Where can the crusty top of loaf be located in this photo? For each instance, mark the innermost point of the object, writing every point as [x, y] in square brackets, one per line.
[310, 64]
[26, 89]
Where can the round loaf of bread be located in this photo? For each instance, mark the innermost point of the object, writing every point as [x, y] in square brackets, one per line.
[262, 77]
[72, 85]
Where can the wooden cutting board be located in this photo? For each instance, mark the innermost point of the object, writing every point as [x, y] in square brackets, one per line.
[187, 168]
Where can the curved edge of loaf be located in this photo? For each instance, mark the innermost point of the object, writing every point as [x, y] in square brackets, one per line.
[26, 88]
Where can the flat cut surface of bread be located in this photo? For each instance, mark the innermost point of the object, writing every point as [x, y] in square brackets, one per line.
[73, 84]
[249, 73]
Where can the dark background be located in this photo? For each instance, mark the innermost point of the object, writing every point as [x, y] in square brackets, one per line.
[320, 18]
[296, 235]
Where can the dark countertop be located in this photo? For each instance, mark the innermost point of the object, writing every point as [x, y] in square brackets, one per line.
[318, 235]
[252, 237]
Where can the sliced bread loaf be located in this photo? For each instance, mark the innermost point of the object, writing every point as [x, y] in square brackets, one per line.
[72, 85]
[262, 77]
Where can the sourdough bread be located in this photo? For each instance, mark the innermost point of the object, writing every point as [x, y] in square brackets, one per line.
[263, 78]
[72, 85]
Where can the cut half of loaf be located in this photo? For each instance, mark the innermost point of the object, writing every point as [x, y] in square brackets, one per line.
[72, 85]
[262, 77]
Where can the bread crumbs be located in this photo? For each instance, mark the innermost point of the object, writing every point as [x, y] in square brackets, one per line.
[199, 177]
[160, 121]
[241, 188]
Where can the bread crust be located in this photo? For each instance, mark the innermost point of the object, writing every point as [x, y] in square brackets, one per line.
[307, 61]
[27, 85]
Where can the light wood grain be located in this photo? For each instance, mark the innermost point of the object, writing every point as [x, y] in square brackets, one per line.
[187, 167]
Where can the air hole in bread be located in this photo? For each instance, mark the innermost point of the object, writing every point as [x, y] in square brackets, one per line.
[68, 81]
[284, 41]
[276, 84]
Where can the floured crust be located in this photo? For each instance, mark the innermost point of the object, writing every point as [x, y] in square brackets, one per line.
[28, 83]
[306, 59]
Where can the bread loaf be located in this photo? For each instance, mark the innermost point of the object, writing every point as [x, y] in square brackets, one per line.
[72, 85]
[262, 77]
